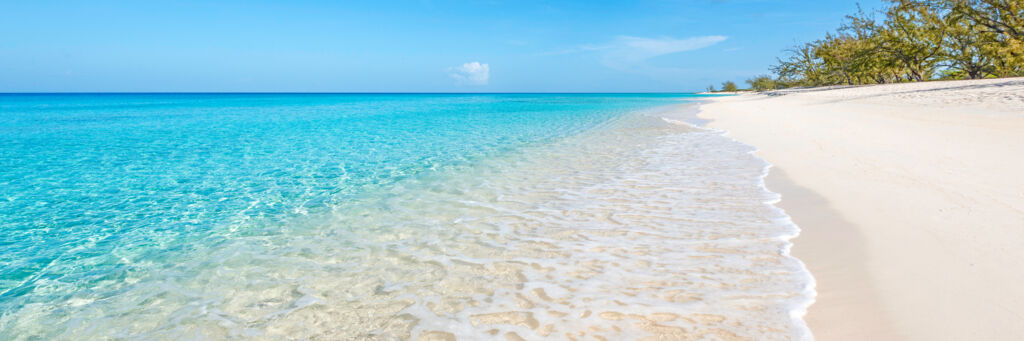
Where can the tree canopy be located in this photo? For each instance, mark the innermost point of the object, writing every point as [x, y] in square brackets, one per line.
[908, 41]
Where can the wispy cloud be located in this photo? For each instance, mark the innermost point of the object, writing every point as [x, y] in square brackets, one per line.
[624, 52]
[473, 73]
[630, 53]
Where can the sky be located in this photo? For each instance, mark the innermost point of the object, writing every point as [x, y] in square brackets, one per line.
[401, 46]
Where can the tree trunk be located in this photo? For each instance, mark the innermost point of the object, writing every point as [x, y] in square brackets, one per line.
[916, 75]
[974, 73]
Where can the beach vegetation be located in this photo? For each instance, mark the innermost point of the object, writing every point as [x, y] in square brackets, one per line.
[762, 83]
[729, 86]
[909, 41]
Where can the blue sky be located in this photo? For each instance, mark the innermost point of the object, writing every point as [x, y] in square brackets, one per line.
[400, 46]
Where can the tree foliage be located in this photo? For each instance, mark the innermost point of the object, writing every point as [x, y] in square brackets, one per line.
[763, 83]
[729, 87]
[911, 40]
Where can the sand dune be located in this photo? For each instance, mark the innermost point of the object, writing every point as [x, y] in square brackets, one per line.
[911, 201]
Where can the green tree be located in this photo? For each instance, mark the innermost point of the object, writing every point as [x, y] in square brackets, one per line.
[729, 87]
[968, 48]
[762, 83]
[869, 64]
[912, 34]
[998, 32]
[1004, 19]
[912, 41]
[802, 68]
[839, 55]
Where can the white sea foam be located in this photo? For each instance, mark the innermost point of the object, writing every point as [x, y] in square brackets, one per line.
[687, 116]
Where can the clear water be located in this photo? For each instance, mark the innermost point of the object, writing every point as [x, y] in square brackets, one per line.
[270, 216]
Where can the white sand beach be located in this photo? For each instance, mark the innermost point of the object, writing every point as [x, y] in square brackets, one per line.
[910, 198]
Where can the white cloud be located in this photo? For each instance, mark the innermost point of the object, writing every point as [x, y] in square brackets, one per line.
[473, 73]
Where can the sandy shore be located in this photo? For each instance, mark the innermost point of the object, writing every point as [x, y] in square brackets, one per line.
[911, 201]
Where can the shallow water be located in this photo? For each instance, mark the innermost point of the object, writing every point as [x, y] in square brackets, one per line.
[386, 217]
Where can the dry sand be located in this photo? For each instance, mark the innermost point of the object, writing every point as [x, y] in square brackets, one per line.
[911, 201]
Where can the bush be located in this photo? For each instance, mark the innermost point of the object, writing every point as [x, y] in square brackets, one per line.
[762, 83]
[729, 87]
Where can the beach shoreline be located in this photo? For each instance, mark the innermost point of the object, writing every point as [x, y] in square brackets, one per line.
[907, 201]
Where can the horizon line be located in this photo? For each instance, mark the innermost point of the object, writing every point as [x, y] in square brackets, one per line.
[320, 93]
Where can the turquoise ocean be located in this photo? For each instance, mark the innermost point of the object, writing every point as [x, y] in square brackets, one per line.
[386, 216]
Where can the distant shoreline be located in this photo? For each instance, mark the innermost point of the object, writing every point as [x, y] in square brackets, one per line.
[350, 93]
